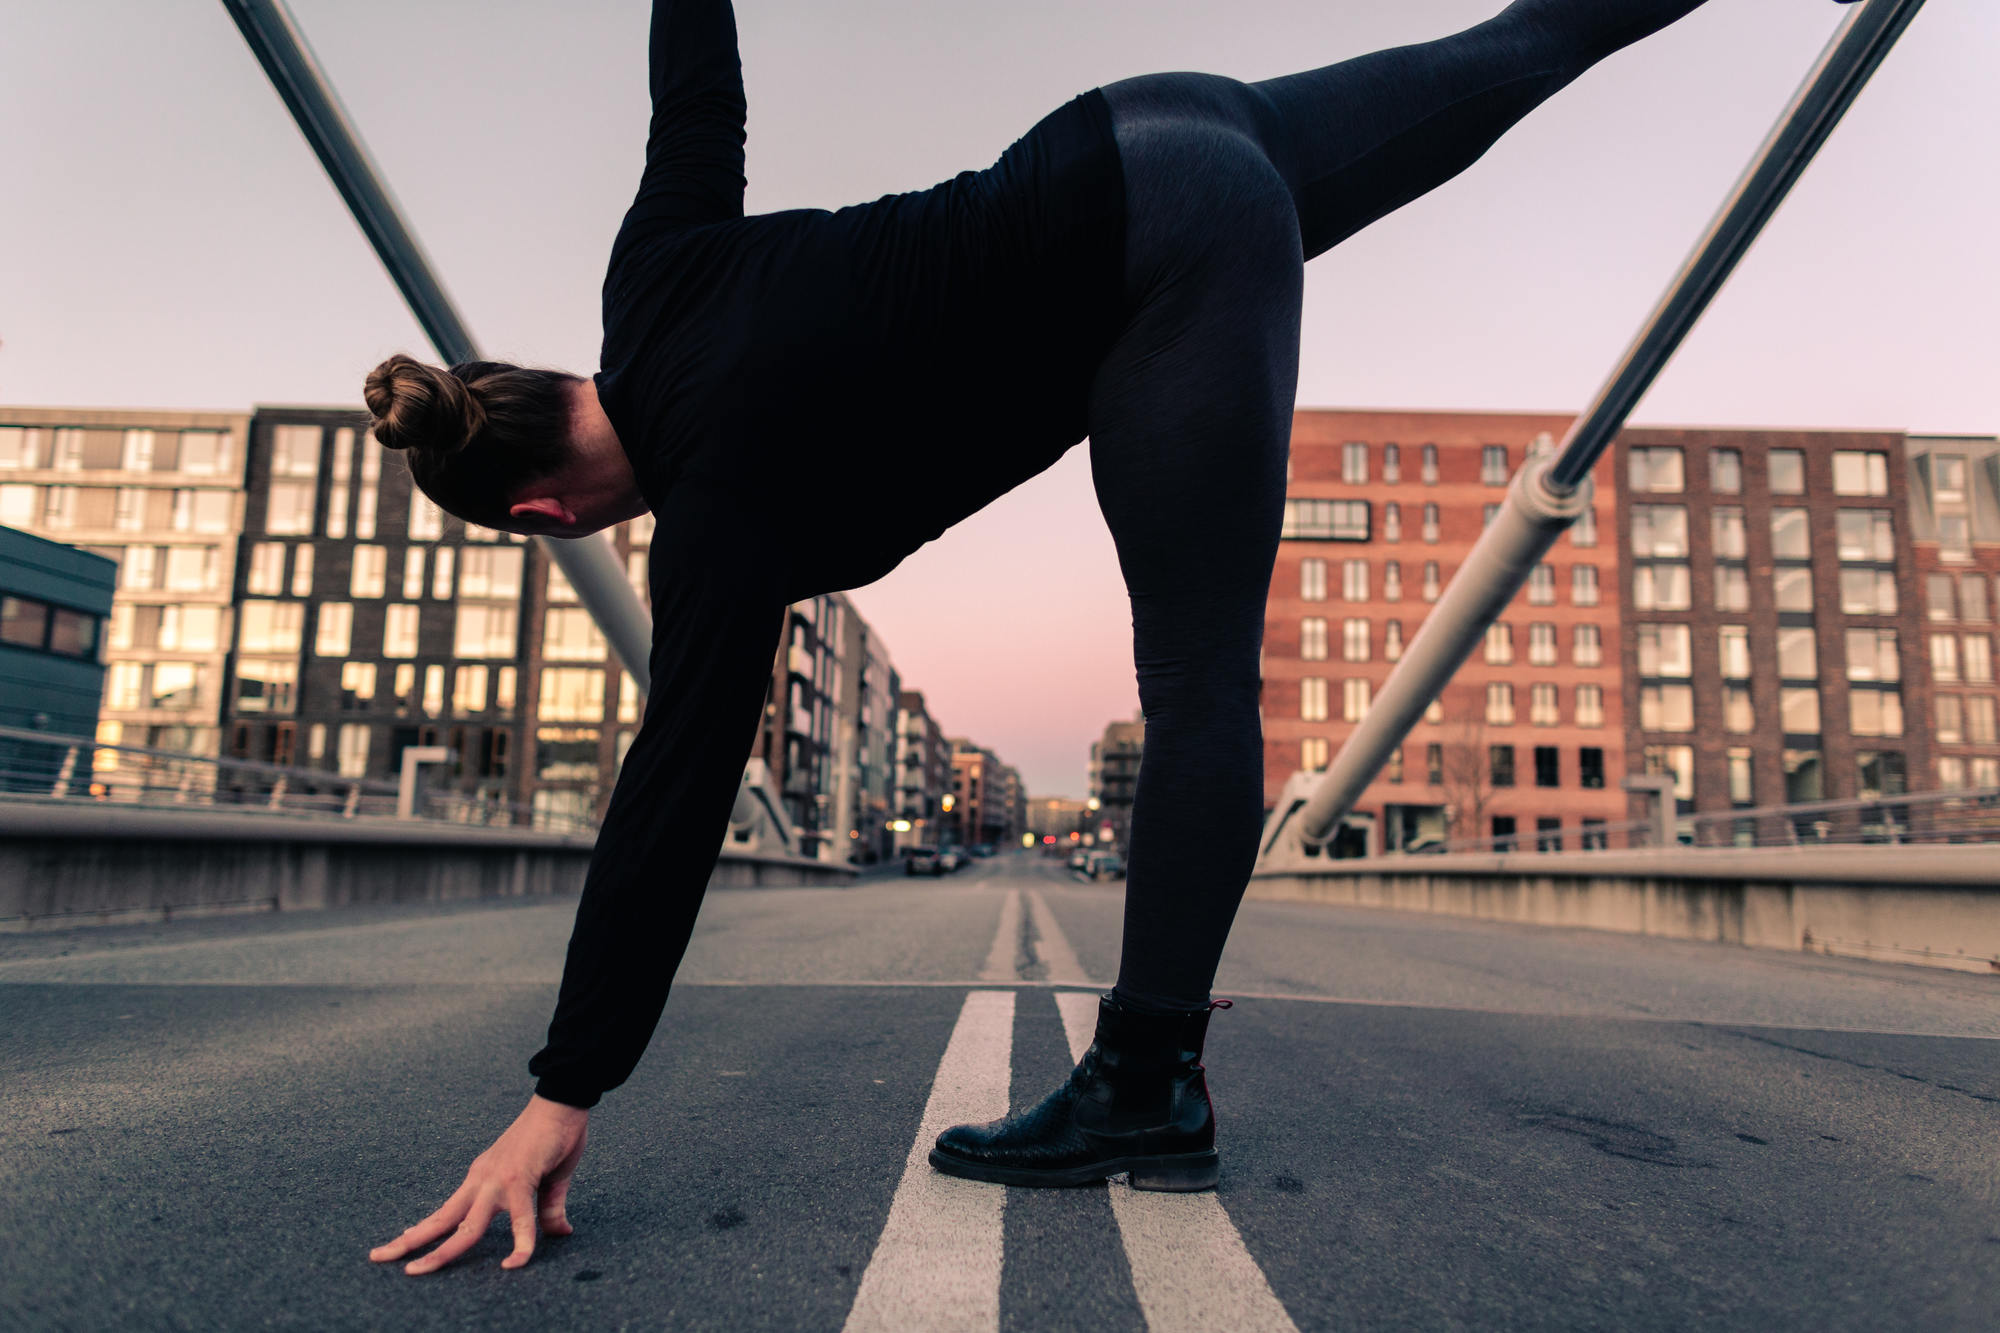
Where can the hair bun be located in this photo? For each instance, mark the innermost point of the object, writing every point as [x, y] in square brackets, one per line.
[420, 407]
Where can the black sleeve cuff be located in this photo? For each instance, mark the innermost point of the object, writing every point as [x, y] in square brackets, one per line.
[569, 1094]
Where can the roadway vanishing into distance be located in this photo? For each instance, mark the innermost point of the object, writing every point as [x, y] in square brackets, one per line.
[1425, 1123]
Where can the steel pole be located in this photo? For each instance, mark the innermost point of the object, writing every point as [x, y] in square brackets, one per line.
[1546, 497]
[274, 36]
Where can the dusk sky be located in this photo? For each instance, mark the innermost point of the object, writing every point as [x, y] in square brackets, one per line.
[168, 240]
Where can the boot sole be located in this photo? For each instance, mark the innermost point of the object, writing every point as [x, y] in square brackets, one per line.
[1176, 1173]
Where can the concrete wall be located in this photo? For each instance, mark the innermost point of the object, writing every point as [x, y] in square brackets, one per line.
[1938, 906]
[67, 865]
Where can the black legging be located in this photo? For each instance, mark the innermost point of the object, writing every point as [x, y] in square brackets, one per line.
[1230, 187]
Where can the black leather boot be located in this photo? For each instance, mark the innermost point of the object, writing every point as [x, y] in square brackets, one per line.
[1137, 1103]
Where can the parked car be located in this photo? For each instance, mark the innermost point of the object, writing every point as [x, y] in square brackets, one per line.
[922, 861]
[1105, 865]
[950, 858]
[984, 849]
[1078, 858]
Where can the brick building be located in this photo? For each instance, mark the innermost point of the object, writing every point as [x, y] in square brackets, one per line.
[1529, 737]
[923, 772]
[1954, 506]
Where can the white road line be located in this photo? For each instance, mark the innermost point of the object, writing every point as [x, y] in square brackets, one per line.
[1006, 951]
[1064, 969]
[1190, 1269]
[937, 1264]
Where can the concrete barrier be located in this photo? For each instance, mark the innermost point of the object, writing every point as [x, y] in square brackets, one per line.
[65, 864]
[1938, 906]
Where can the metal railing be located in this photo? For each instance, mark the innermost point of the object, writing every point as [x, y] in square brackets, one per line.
[1932, 818]
[38, 767]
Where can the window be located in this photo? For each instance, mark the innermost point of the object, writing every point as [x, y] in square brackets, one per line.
[1667, 650]
[1860, 473]
[399, 630]
[335, 633]
[413, 573]
[288, 509]
[1739, 713]
[1732, 588]
[1493, 464]
[1979, 720]
[1804, 776]
[1676, 762]
[1392, 641]
[1875, 711]
[20, 446]
[1312, 580]
[302, 570]
[1355, 696]
[1666, 707]
[191, 568]
[1354, 640]
[569, 634]
[1951, 773]
[1978, 659]
[1499, 703]
[468, 690]
[1500, 764]
[1787, 472]
[17, 505]
[1951, 478]
[1392, 464]
[426, 519]
[1392, 580]
[1312, 639]
[1392, 522]
[1431, 524]
[370, 572]
[1542, 585]
[484, 631]
[1868, 592]
[1944, 657]
[1312, 699]
[351, 749]
[1865, 535]
[1590, 705]
[1728, 533]
[1872, 655]
[1499, 644]
[1656, 469]
[1587, 646]
[1725, 471]
[1430, 465]
[357, 686]
[503, 691]
[1986, 773]
[1659, 532]
[295, 451]
[1661, 587]
[1354, 580]
[1543, 710]
[269, 627]
[1434, 765]
[1798, 654]
[1789, 537]
[1542, 644]
[1548, 766]
[204, 452]
[266, 575]
[1314, 754]
[261, 687]
[1950, 728]
[1354, 463]
[1326, 520]
[1791, 587]
[1584, 531]
[1432, 584]
[1583, 585]
[1594, 837]
[1881, 773]
[1972, 596]
[191, 629]
[1739, 776]
[1798, 710]
[441, 573]
[1940, 600]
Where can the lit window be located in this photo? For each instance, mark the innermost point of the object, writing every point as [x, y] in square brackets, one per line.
[334, 636]
[1542, 707]
[483, 630]
[1354, 637]
[1542, 644]
[1587, 646]
[1499, 703]
[441, 573]
[370, 577]
[426, 519]
[399, 630]
[1542, 586]
[269, 627]
[1430, 464]
[569, 634]
[266, 576]
[1312, 699]
[352, 749]
[1326, 520]
[413, 573]
[302, 570]
[289, 509]
[1590, 705]
[1312, 580]
[1354, 580]
[1493, 464]
[1354, 700]
[1666, 707]
[295, 451]
[1354, 464]
[1312, 639]
[1499, 644]
[468, 690]
[1313, 754]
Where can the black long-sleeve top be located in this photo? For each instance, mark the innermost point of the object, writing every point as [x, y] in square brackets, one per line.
[806, 398]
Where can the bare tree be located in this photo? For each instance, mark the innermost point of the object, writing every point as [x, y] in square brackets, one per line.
[1468, 775]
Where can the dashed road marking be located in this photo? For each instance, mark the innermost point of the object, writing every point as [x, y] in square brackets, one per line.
[1190, 1268]
[1003, 959]
[937, 1264]
[1061, 959]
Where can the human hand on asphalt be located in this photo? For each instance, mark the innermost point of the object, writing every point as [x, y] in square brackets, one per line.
[535, 1157]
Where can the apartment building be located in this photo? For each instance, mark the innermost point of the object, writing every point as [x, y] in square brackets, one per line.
[923, 773]
[1953, 487]
[160, 494]
[1528, 739]
[1771, 654]
[1114, 778]
[865, 735]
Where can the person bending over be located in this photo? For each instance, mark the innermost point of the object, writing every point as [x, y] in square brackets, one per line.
[1128, 271]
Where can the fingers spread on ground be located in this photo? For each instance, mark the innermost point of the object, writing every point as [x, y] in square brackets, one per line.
[521, 1207]
[464, 1238]
[426, 1231]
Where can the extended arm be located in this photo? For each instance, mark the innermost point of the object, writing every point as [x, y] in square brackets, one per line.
[694, 146]
[717, 614]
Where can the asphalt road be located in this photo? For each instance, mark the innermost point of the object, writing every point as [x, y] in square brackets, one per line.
[1425, 1123]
